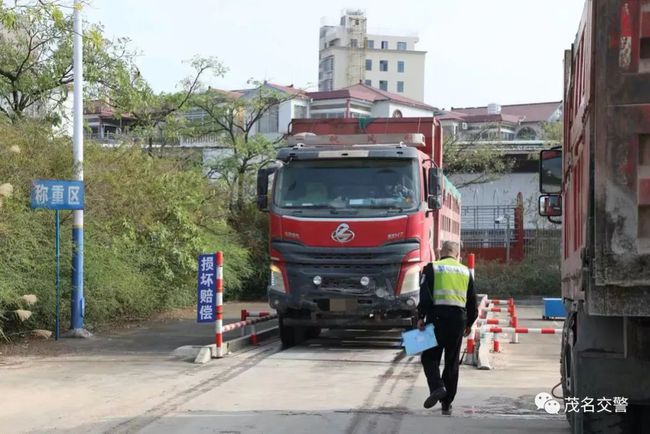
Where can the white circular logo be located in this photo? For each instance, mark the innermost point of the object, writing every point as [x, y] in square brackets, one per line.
[343, 234]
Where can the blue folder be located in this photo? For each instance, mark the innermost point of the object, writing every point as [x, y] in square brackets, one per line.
[416, 341]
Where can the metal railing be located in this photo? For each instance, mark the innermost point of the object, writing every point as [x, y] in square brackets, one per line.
[485, 226]
[542, 242]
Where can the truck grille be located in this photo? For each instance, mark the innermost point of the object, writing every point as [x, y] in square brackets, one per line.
[342, 257]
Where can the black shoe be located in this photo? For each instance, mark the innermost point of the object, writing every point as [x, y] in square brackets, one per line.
[430, 401]
[446, 409]
[435, 396]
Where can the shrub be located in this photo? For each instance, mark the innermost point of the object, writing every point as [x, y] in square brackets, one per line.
[535, 275]
[146, 220]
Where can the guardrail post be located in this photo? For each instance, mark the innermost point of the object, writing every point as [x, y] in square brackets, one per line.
[470, 264]
[219, 321]
[514, 323]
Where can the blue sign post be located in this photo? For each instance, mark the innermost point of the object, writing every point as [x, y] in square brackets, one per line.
[207, 289]
[57, 195]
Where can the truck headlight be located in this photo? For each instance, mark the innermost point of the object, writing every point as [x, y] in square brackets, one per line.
[277, 280]
[411, 282]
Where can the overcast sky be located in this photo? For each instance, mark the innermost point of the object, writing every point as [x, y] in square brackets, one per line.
[504, 51]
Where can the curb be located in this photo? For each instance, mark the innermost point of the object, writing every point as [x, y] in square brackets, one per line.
[202, 354]
[244, 341]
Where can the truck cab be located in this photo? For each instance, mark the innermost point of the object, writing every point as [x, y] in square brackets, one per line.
[351, 227]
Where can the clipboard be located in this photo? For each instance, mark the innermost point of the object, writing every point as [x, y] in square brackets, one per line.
[416, 341]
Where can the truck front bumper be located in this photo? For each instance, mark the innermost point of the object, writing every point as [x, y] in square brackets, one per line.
[337, 309]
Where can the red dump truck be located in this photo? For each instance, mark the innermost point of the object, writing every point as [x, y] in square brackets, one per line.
[599, 183]
[356, 207]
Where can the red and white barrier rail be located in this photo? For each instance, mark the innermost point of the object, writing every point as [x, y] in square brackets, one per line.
[250, 322]
[497, 302]
[495, 321]
[528, 330]
[509, 309]
[254, 314]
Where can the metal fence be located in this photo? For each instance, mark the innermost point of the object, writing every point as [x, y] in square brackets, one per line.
[542, 242]
[487, 226]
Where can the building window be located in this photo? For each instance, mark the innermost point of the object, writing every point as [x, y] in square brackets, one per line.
[526, 133]
[269, 122]
[368, 82]
[383, 84]
[400, 86]
[328, 64]
[400, 66]
[299, 112]
[354, 43]
[383, 65]
[370, 43]
[384, 45]
[368, 64]
[401, 45]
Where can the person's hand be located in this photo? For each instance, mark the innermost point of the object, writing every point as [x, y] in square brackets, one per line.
[421, 324]
[468, 330]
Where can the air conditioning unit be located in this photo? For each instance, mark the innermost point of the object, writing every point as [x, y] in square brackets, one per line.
[463, 126]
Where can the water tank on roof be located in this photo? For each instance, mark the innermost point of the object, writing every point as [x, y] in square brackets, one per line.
[493, 108]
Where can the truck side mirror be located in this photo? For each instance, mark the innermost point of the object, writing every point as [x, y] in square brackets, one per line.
[263, 176]
[550, 205]
[434, 200]
[550, 171]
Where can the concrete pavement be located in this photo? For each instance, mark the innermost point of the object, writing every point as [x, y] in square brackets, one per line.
[343, 382]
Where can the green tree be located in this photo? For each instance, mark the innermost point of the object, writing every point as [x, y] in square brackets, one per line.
[552, 133]
[155, 117]
[232, 118]
[477, 161]
[36, 58]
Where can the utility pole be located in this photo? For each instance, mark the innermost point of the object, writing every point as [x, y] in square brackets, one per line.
[77, 303]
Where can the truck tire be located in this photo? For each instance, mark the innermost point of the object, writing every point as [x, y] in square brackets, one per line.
[584, 423]
[287, 334]
[290, 335]
[604, 423]
[313, 332]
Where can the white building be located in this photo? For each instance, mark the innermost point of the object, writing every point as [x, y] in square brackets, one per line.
[349, 55]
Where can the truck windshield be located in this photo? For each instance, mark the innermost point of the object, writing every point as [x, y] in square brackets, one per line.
[354, 184]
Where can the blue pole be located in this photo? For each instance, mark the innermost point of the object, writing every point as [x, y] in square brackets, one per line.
[77, 307]
[77, 311]
[58, 274]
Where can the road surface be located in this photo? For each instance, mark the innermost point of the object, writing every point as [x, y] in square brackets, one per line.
[340, 383]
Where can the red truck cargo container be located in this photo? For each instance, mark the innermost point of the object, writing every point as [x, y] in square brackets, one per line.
[600, 183]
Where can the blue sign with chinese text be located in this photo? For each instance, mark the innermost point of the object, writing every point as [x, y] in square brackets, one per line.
[207, 289]
[57, 194]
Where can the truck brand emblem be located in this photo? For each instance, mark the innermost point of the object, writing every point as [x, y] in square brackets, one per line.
[343, 234]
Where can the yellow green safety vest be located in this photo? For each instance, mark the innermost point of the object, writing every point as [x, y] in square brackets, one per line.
[450, 281]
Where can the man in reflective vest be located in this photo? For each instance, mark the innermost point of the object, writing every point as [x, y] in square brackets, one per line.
[448, 301]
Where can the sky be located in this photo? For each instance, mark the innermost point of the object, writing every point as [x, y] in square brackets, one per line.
[478, 52]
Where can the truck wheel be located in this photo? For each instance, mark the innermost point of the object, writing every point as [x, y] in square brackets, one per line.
[585, 423]
[604, 423]
[566, 375]
[287, 334]
[313, 332]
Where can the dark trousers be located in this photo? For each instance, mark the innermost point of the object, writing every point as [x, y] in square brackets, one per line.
[449, 334]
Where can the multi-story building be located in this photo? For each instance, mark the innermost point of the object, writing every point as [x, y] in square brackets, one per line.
[349, 55]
